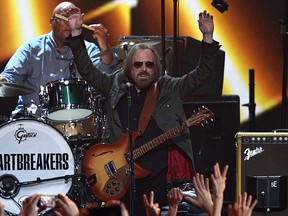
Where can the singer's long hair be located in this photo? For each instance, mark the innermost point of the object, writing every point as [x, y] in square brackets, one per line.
[128, 64]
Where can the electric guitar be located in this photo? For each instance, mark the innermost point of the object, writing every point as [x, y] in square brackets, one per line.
[106, 167]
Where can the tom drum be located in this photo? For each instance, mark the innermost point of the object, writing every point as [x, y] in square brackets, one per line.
[66, 99]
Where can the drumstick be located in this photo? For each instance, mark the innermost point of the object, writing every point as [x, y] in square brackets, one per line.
[66, 19]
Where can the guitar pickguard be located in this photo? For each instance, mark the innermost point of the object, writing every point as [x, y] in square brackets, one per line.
[117, 183]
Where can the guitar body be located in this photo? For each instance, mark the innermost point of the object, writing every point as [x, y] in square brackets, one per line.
[105, 167]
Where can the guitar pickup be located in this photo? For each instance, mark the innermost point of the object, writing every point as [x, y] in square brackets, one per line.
[110, 168]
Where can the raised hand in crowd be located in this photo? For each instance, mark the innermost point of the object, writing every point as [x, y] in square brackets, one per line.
[243, 206]
[29, 205]
[65, 206]
[203, 199]
[1, 208]
[151, 208]
[174, 197]
[219, 185]
[124, 210]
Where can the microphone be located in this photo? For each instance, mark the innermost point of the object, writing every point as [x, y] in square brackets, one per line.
[128, 85]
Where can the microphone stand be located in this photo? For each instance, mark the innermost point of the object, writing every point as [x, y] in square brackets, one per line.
[175, 36]
[130, 155]
[252, 104]
[163, 39]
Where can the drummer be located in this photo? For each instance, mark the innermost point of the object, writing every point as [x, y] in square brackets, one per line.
[47, 58]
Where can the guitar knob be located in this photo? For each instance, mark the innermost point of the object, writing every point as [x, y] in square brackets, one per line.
[108, 186]
[117, 189]
[113, 182]
[111, 192]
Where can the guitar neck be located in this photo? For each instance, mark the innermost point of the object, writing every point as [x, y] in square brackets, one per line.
[158, 141]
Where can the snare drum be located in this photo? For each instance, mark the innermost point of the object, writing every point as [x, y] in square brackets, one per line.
[31, 149]
[84, 129]
[66, 99]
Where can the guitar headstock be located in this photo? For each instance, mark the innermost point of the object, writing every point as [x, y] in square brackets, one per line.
[202, 115]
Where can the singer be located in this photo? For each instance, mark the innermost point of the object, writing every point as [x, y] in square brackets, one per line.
[156, 108]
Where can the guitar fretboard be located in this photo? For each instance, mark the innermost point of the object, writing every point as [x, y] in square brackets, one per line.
[158, 140]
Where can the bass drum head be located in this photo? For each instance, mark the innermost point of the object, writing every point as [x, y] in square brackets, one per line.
[32, 150]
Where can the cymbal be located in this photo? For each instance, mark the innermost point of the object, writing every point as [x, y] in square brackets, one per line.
[11, 90]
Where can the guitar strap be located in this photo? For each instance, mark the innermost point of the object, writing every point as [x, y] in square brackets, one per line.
[148, 108]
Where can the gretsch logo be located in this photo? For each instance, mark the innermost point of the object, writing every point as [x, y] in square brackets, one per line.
[251, 153]
[21, 134]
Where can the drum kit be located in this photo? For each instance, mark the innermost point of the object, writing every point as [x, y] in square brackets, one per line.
[45, 155]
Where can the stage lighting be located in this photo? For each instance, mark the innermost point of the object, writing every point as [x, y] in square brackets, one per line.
[220, 5]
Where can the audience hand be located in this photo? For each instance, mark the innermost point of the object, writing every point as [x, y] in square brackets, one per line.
[1, 208]
[124, 210]
[203, 199]
[174, 197]
[219, 180]
[152, 209]
[242, 207]
[219, 185]
[65, 206]
[2, 79]
[29, 205]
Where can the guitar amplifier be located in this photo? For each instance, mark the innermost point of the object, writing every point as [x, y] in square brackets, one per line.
[215, 142]
[262, 169]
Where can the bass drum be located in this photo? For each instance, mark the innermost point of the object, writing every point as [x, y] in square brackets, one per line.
[34, 158]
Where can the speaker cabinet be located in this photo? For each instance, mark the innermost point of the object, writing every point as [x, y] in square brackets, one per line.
[215, 142]
[186, 59]
[262, 161]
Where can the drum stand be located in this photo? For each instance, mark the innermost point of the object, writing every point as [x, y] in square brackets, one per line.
[80, 191]
[11, 185]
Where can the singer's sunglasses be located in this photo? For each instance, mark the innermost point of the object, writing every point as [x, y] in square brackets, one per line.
[139, 64]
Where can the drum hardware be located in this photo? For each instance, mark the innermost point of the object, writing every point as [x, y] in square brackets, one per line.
[78, 150]
[8, 186]
[81, 193]
[30, 111]
[11, 90]
[11, 185]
